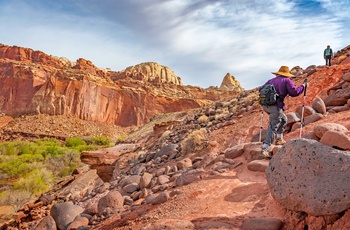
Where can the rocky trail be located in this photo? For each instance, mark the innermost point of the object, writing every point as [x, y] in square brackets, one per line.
[200, 169]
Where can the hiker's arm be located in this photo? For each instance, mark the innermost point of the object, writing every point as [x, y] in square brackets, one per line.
[293, 90]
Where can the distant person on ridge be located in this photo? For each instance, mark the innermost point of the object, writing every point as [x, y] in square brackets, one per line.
[328, 55]
[283, 86]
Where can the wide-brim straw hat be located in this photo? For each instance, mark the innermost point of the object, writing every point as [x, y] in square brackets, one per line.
[284, 71]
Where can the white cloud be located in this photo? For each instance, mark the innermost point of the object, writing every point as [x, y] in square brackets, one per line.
[199, 40]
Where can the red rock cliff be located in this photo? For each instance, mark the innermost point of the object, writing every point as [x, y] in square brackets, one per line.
[32, 82]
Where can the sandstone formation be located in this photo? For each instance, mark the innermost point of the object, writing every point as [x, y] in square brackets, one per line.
[32, 82]
[230, 83]
[149, 72]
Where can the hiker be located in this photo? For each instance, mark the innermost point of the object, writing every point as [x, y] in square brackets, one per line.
[284, 86]
[328, 55]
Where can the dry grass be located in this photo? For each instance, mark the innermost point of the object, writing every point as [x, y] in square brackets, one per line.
[194, 141]
[203, 119]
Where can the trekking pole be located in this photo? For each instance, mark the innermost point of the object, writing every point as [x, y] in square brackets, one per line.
[261, 120]
[302, 110]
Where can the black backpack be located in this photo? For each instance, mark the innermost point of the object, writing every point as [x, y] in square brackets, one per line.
[268, 95]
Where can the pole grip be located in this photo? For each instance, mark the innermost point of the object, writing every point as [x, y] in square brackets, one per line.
[306, 82]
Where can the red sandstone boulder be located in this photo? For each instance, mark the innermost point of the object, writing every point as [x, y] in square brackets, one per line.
[318, 105]
[308, 176]
[336, 139]
[320, 129]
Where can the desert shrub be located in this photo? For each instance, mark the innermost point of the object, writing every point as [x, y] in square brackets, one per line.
[63, 165]
[25, 150]
[193, 141]
[71, 156]
[47, 141]
[55, 164]
[102, 141]
[16, 199]
[203, 119]
[14, 168]
[28, 158]
[65, 172]
[52, 150]
[82, 148]
[121, 138]
[35, 182]
[74, 142]
[25, 147]
[9, 148]
[47, 146]
[34, 165]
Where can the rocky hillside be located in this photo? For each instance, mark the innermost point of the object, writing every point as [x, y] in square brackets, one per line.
[200, 168]
[32, 83]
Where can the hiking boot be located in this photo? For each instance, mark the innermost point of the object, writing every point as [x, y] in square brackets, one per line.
[280, 142]
[265, 154]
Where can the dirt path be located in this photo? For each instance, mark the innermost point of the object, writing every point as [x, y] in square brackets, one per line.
[218, 201]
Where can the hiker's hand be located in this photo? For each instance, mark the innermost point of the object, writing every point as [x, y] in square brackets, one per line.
[305, 82]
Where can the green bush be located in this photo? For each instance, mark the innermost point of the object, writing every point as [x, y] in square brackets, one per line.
[9, 148]
[83, 148]
[74, 142]
[36, 165]
[29, 158]
[35, 182]
[53, 150]
[102, 141]
[14, 168]
[47, 141]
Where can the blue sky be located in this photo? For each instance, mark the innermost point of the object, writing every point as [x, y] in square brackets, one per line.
[200, 40]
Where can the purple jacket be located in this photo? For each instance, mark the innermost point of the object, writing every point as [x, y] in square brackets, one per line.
[285, 86]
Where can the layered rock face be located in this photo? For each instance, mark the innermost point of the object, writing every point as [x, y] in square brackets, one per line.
[32, 82]
[149, 72]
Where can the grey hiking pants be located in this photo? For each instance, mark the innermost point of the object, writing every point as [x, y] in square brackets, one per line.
[277, 123]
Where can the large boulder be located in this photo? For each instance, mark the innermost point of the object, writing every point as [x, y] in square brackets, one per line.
[104, 160]
[312, 118]
[64, 214]
[308, 176]
[113, 200]
[319, 106]
[321, 129]
[336, 139]
[47, 223]
[308, 110]
[83, 184]
[337, 98]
